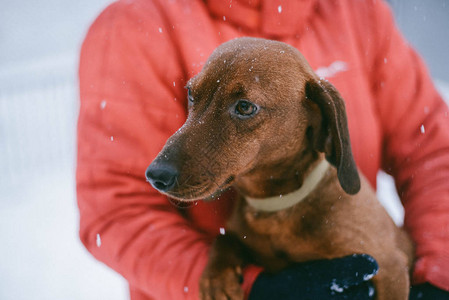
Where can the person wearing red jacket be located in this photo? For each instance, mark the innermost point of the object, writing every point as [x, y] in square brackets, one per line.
[135, 61]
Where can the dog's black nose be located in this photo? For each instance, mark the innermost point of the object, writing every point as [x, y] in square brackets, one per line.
[162, 176]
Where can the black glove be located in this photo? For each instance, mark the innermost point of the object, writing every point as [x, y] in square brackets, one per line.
[427, 291]
[340, 278]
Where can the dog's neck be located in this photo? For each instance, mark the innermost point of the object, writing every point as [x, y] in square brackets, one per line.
[279, 177]
[280, 202]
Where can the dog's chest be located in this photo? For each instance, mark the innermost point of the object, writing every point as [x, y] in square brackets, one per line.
[286, 235]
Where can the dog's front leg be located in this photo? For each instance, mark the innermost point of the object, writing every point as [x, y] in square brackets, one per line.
[223, 274]
[392, 282]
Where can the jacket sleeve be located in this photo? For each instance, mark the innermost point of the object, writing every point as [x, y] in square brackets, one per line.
[415, 125]
[132, 100]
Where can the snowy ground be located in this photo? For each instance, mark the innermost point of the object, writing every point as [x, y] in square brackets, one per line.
[41, 256]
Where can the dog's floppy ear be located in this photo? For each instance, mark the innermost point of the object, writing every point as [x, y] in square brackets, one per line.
[332, 135]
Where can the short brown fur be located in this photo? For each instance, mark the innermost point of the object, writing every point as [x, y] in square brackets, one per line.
[301, 120]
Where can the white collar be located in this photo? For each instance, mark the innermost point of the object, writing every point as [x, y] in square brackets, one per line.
[281, 202]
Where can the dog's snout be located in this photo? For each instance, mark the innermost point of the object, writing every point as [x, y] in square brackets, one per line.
[162, 176]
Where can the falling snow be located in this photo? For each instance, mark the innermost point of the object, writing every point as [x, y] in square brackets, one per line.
[423, 130]
[222, 231]
[279, 9]
[98, 240]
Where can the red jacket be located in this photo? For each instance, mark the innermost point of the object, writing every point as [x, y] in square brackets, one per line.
[135, 62]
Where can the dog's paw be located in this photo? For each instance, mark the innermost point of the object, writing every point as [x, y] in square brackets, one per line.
[222, 285]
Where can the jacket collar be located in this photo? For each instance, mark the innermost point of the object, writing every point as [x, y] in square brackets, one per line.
[274, 18]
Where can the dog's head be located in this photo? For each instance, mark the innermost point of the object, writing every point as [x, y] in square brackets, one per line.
[255, 104]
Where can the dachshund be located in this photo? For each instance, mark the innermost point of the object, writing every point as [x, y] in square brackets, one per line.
[260, 120]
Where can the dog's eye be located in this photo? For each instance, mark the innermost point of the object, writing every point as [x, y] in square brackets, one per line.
[244, 108]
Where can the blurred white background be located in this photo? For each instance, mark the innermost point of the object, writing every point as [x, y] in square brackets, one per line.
[41, 256]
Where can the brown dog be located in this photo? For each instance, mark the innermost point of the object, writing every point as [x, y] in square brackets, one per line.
[261, 120]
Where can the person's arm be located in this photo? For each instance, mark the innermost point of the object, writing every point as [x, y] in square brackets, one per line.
[415, 124]
[132, 100]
